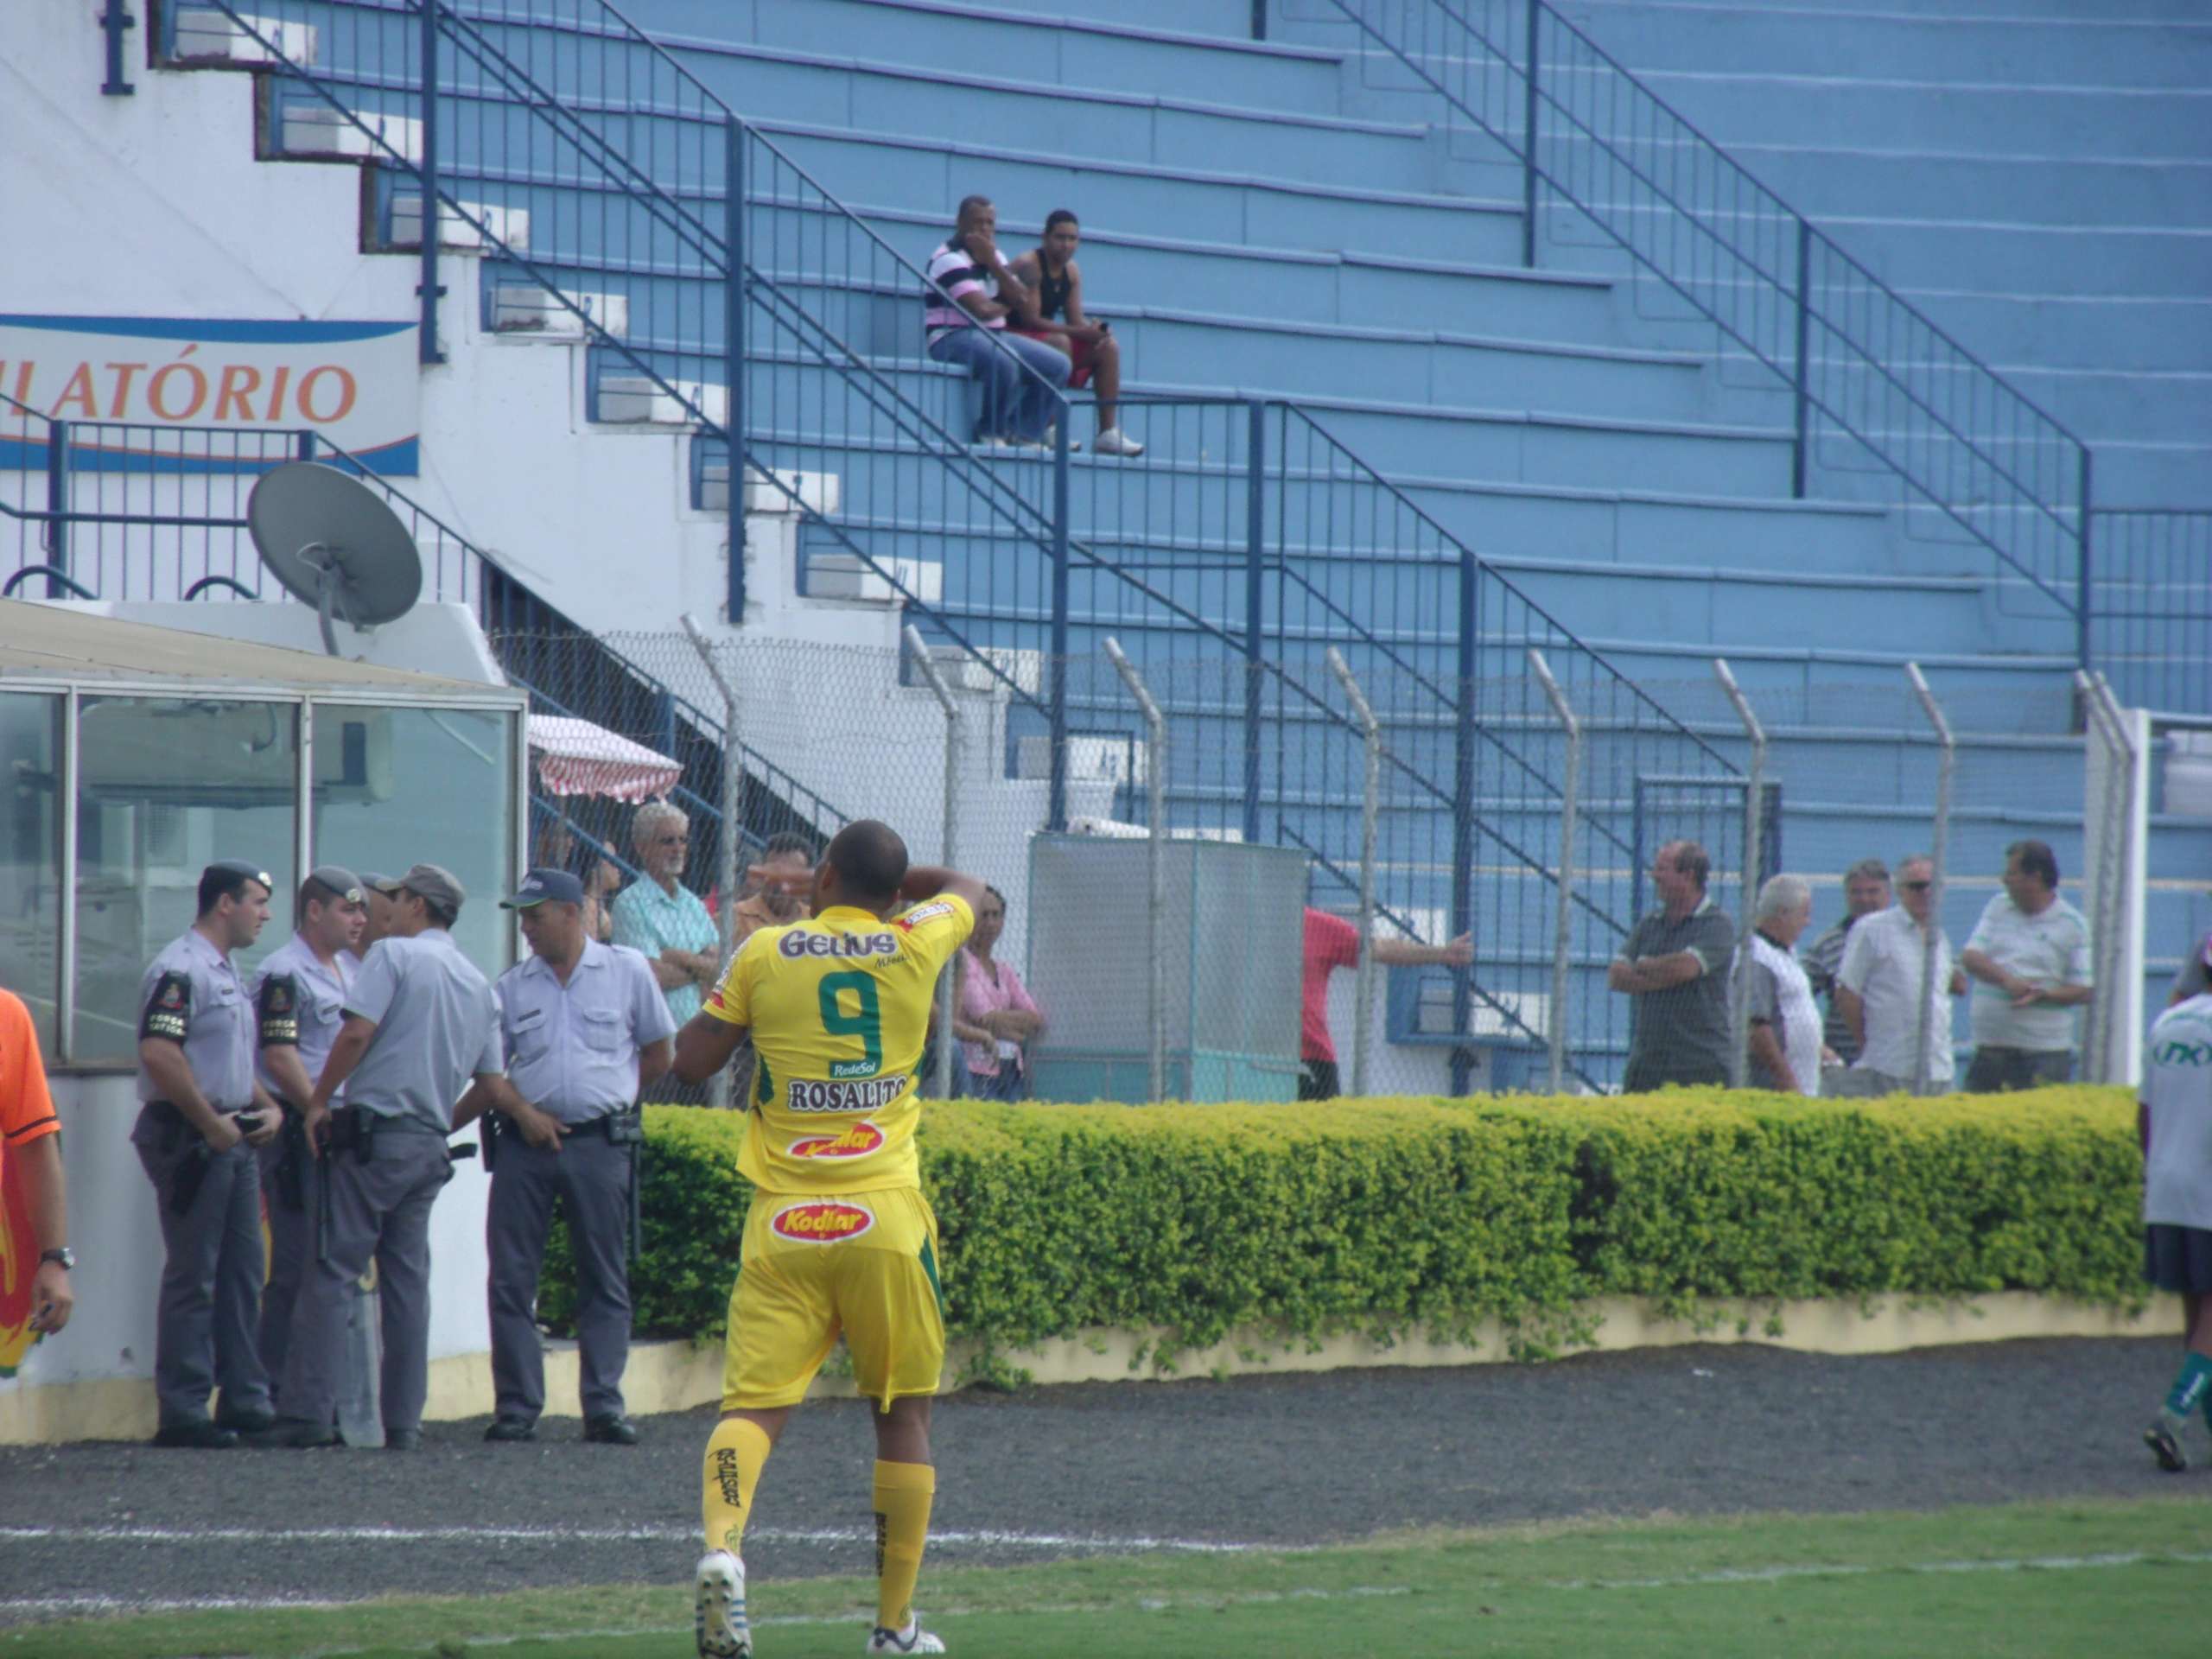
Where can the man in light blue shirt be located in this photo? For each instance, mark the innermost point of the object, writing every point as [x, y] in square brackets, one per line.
[661, 919]
[586, 1029]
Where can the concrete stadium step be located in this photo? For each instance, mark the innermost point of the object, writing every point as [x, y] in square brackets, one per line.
[1925, 112]
[1054, 50]
[1265, 207]
[790, 86]
[2015, 189]
[1878, 39]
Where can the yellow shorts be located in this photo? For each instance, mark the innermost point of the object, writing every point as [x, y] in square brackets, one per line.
[863, 1264]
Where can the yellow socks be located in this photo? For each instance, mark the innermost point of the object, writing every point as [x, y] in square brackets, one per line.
[903, 1491]
[736, 1455]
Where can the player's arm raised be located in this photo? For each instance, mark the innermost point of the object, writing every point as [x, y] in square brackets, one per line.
[925, 881]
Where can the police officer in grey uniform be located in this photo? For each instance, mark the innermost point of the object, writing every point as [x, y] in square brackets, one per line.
[420, 1021]
[586, 1029]
[197, 1135]
[299, 1001]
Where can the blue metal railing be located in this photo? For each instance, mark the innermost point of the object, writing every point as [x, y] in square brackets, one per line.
[623, 195]
[2151, 606]
[1859, 359]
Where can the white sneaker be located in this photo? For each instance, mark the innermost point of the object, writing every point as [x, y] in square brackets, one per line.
[1052, 437]
[912, 1639]
[718, 1601]
[1112, 442]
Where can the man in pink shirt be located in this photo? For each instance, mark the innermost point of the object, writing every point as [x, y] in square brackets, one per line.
[1332, 943]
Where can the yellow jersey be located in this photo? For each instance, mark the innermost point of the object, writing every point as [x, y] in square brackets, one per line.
[839, 1009]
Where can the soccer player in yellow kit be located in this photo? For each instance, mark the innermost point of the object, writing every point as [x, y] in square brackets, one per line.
[839, 1237]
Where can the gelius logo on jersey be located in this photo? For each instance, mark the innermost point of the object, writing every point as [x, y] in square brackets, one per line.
[797, 942]
[856, 1142]
[821, 1221]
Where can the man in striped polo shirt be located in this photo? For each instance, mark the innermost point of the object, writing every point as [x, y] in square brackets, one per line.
[974, 295]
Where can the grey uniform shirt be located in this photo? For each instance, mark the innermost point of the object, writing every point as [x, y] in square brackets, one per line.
[192, 995]
[437, 1026]
[572, 1049]
[1683, 1030]
[300, 1003]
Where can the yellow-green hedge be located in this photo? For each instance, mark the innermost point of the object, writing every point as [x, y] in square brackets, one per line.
[1392, 1217]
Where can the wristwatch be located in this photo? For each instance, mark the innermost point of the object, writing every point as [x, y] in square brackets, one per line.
[62, 1254]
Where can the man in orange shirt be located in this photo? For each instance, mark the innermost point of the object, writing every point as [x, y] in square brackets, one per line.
[30, 1137]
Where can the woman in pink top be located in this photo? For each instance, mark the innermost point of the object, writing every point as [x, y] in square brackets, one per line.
[998, 1017]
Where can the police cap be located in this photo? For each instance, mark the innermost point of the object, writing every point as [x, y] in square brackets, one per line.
[431, 881]
[542, 885]
[340, 882]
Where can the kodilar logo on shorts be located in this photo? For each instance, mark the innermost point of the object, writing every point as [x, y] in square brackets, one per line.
[856, 1142]
[821, 1221]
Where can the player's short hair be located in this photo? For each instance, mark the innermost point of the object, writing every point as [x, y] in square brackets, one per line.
[785, 842]
[1691, 860]
[1867, 869]
[1059, 217]
[870, 861]
[2036, 860]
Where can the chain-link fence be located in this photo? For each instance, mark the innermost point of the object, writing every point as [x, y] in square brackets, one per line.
[1203, 971]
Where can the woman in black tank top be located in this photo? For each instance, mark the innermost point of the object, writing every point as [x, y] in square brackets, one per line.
[1095, 355]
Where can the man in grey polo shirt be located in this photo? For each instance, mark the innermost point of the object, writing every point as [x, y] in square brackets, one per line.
[197, 1136]
[299, 1000]
[420, 1020]
[586, 1029]
[1673, 970]
[2029, 955]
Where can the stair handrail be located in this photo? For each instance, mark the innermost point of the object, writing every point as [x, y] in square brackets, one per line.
[2058, 508]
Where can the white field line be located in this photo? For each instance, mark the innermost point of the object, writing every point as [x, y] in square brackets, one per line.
[82, 1605]
[983, 1539]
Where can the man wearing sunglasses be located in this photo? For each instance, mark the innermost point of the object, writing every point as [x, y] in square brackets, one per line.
[661, 919]
[1885, 981]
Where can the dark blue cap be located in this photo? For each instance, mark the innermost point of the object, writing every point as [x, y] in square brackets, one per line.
[541, 885]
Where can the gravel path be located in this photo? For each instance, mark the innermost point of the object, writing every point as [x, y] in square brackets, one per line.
[1257, 1460]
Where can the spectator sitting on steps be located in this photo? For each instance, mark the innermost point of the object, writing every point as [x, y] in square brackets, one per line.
[1050, 271]
[967, 314]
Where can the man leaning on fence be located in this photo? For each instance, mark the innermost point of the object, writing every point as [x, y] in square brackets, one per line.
[1672, 969]
[2030, 960]
[1879, 988]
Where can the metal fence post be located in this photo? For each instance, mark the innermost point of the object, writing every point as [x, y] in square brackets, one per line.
[1802, 416]
[1923, 1057]
[925, 665]
[1463, 819]
[1529, 186]
[1155, 864]
[733, 780]
[734, 359]
[1370, 806]
[117, 21]
[1256, 451]
[1563, 921]
[427, 173]
[57, 506]
[1739, 995]
[2085, 605]
[1057, 712]
[2111, 900]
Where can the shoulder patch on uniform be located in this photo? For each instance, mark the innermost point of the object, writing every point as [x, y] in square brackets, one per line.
[280, 1011]
[168, 1010]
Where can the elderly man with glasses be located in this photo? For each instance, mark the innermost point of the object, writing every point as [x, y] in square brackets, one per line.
[661, 918]
[1884, 982]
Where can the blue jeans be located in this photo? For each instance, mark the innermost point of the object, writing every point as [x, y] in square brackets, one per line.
[1016, 404]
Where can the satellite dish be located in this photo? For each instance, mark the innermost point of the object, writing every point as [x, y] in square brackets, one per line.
[335, 543]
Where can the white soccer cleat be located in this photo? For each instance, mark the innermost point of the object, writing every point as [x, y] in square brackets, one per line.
[912, 1639]
[718, 1601]
[1112, 441]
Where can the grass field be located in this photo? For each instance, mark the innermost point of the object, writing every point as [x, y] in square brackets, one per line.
[2026, 1581]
